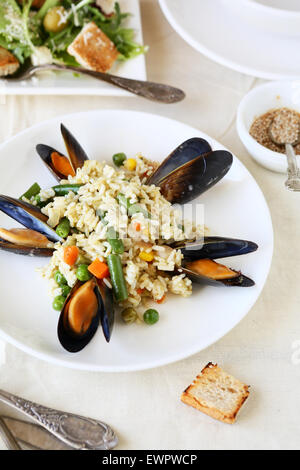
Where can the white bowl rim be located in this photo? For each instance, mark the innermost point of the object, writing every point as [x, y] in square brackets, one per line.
[276, 11]
[270, 154]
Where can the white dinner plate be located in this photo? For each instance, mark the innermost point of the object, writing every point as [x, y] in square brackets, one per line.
[234, 207]
[213, 29]
[66, 83]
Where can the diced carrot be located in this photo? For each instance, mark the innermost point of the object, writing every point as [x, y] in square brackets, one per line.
[62, 164]
[99, 269]
[71, 254]
[137, 227]
[160, 301]
[140, 291]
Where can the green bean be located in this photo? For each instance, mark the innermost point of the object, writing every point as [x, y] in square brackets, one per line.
[64, 189]
[137, 208]
[113, 239]
[117, 277]
[32, 191]
[119, 159]
[63, 228]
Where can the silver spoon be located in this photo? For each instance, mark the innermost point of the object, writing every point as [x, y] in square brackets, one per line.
[150, 90]
[281, 134]
[8, 437]
[76, 431]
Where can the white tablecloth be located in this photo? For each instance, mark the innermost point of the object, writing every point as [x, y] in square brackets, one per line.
[144, 407]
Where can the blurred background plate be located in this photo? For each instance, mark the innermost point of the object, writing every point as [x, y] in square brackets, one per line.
[223, 34]
[66, 83]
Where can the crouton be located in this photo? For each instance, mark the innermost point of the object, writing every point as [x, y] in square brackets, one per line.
[93, 49]
[217, 394]
[8, 63]
[107, 6]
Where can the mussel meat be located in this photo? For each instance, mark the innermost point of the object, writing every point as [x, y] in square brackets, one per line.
[87, 305]
[25, 242]
[208, 271]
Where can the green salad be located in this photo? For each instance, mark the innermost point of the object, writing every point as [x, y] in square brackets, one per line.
[28, 32]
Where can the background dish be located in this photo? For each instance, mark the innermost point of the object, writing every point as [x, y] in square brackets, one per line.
[65, 83]
[234, 207]
[273, 16]
[256, 103]
[212, 29]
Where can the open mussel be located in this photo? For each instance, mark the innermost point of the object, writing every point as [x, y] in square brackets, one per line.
[190, 170]
[214, 248]
[36, 238]
[59, 165]
[87, 305]
[199, 255]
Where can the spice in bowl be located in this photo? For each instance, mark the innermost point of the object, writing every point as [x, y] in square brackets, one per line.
[285, 125]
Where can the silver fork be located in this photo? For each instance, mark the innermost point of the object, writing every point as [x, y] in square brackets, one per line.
[76, 431]
[150, 90]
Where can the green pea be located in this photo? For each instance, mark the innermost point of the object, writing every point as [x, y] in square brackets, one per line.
[119, 159]
[129, 315]
[65, 291]
[58, 302]
[82, 273]
[63, 228]
[60, 279]
[151, 316]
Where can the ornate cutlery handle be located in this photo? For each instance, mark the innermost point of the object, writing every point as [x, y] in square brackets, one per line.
[150, 90]
[76, 431]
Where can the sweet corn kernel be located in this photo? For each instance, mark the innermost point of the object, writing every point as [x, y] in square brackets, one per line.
[146, 256]
[130, 164]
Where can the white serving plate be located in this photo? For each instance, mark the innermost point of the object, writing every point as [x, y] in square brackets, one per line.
[66, 83]
[235, 207]
[215, 31]
[260, 100]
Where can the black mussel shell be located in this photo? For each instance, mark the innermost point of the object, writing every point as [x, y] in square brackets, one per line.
[45, 152]
[214, 248]
[67, 338]
[187, 151]
[76, 153]
[29, 216]
[25, 250]
[195, 177]
[107, 309]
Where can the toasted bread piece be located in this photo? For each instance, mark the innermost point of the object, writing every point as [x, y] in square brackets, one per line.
[8, 63]
[93, 49]
[217, 394]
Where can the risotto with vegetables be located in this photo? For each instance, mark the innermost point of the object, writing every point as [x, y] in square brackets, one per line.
[114, 236]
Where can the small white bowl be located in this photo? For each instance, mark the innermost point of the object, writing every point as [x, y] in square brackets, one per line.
[257, 102]
[273, 16]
